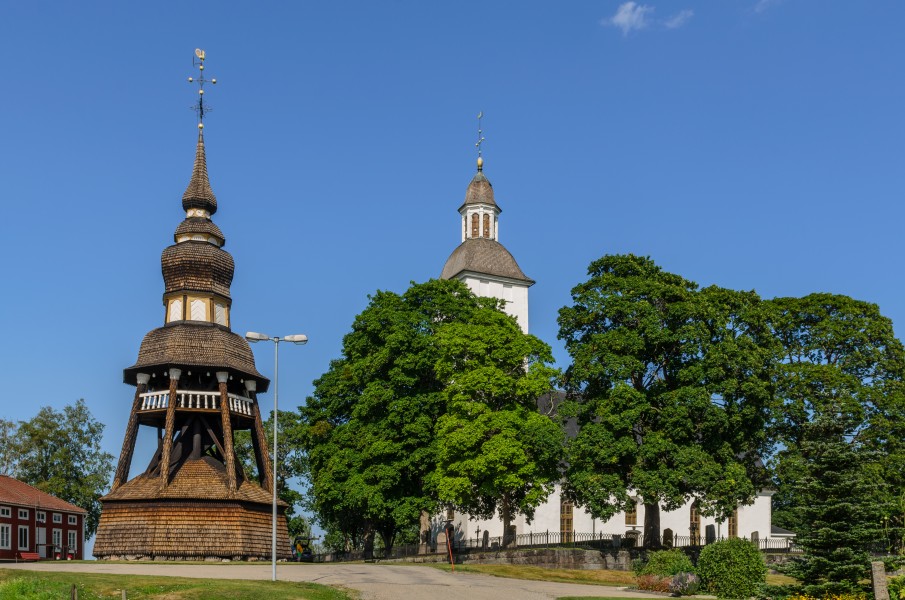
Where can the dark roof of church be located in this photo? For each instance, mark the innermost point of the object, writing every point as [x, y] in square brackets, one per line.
[199, 194]
[483, 255]
[479, 191]
[194, 344]
[199, 225]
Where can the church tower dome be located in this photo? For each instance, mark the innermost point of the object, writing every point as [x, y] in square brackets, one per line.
[480, 260]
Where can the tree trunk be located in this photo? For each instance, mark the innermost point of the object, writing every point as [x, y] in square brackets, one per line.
[651, 526]
[368, 552]
[425, 528]
[506, 514]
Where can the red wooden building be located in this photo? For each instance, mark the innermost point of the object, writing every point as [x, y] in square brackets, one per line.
[32, 521]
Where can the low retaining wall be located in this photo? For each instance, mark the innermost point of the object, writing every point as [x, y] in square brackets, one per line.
[565, 558]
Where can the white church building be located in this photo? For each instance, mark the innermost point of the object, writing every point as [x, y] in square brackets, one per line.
[484, 264]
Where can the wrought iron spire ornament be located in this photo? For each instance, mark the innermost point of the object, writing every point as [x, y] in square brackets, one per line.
[201, 107]
[480, 141]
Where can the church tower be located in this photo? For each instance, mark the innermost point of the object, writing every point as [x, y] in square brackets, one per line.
[481, 261]
[196, 385]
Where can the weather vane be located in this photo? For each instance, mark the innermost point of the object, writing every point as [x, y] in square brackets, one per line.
[480, 141]
[201, 107]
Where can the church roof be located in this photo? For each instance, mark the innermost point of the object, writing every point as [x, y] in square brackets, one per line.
[479, 191]
[483, 255]
[197, 266]
[194, 344]
[199, 194]
[193, 225]
[199, 479]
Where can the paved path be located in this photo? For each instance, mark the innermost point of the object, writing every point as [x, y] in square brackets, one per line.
[374, 581]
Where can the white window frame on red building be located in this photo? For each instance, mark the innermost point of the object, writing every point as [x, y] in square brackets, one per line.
[40, 516]
[72, 542]
[6, 535]
[26, 546]
[23, 514]
[73, 520]
[57, 518]
[5, 512]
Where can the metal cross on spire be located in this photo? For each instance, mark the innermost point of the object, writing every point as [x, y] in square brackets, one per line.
[480, 141]
[201, 107]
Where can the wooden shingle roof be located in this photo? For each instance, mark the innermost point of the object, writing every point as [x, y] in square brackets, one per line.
[199, 194]
[483, 255]
[194, 344]
[18, 493]
[479, 191]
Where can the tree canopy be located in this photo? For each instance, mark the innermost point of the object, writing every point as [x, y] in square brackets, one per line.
[374, 427]
[60, 453]
[495, 451]
[839, 431]
[671, 387]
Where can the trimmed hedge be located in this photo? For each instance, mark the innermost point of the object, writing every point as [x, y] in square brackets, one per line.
[665, 563]
[732, 568]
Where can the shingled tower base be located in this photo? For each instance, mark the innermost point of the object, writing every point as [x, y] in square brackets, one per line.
[196, 383]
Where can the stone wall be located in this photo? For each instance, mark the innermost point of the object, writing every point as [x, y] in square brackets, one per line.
[571, 558]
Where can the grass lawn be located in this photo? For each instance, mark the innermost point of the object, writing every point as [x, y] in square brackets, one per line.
[34, 585]
[596, 577]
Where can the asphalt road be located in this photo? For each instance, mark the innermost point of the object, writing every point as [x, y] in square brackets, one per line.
[373, 581]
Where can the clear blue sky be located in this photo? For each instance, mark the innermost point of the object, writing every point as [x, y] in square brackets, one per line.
[753, 144]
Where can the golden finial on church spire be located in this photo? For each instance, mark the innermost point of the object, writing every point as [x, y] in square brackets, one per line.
[201, 107]
[480, 141]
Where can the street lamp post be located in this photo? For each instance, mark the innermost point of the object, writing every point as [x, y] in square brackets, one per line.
[254, 337]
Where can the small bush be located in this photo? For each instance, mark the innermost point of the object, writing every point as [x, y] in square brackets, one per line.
[896, 586]
[654, 583]
[685, 584]
[665, 563]
[732, 568]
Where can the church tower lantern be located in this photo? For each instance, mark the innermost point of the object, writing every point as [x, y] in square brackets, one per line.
[196, 385]
[481, 261]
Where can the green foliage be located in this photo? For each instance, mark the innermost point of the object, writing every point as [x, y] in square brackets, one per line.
[672, 391]
[60, 453]
[896, 587]
[495, 452]
[665, 562]
[840, 424]
[732, 568]
[412, 369]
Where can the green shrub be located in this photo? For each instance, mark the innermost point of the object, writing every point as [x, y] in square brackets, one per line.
[732, 568]
[896, 586]
[665, 563]
[685, 584]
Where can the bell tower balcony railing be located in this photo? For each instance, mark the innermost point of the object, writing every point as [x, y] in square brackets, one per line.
[195, 400]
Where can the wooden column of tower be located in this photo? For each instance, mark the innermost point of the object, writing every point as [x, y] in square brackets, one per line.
[195, 384]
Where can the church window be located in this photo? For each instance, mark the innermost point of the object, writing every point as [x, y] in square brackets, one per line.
[732, 529]
[566, 521]
[694, 524]
[175, 313]
[474, 225]
[199, 309]
[631, 515]
[486, 225]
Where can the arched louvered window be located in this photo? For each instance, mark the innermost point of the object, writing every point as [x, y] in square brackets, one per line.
[486, 225]
[475, 231]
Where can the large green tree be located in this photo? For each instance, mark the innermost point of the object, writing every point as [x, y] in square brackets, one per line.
[671, 387]
[839, 427]
[368, 429]
[60, 453]
[496, 452]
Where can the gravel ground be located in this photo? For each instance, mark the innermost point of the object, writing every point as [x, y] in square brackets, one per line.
[373, 581]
